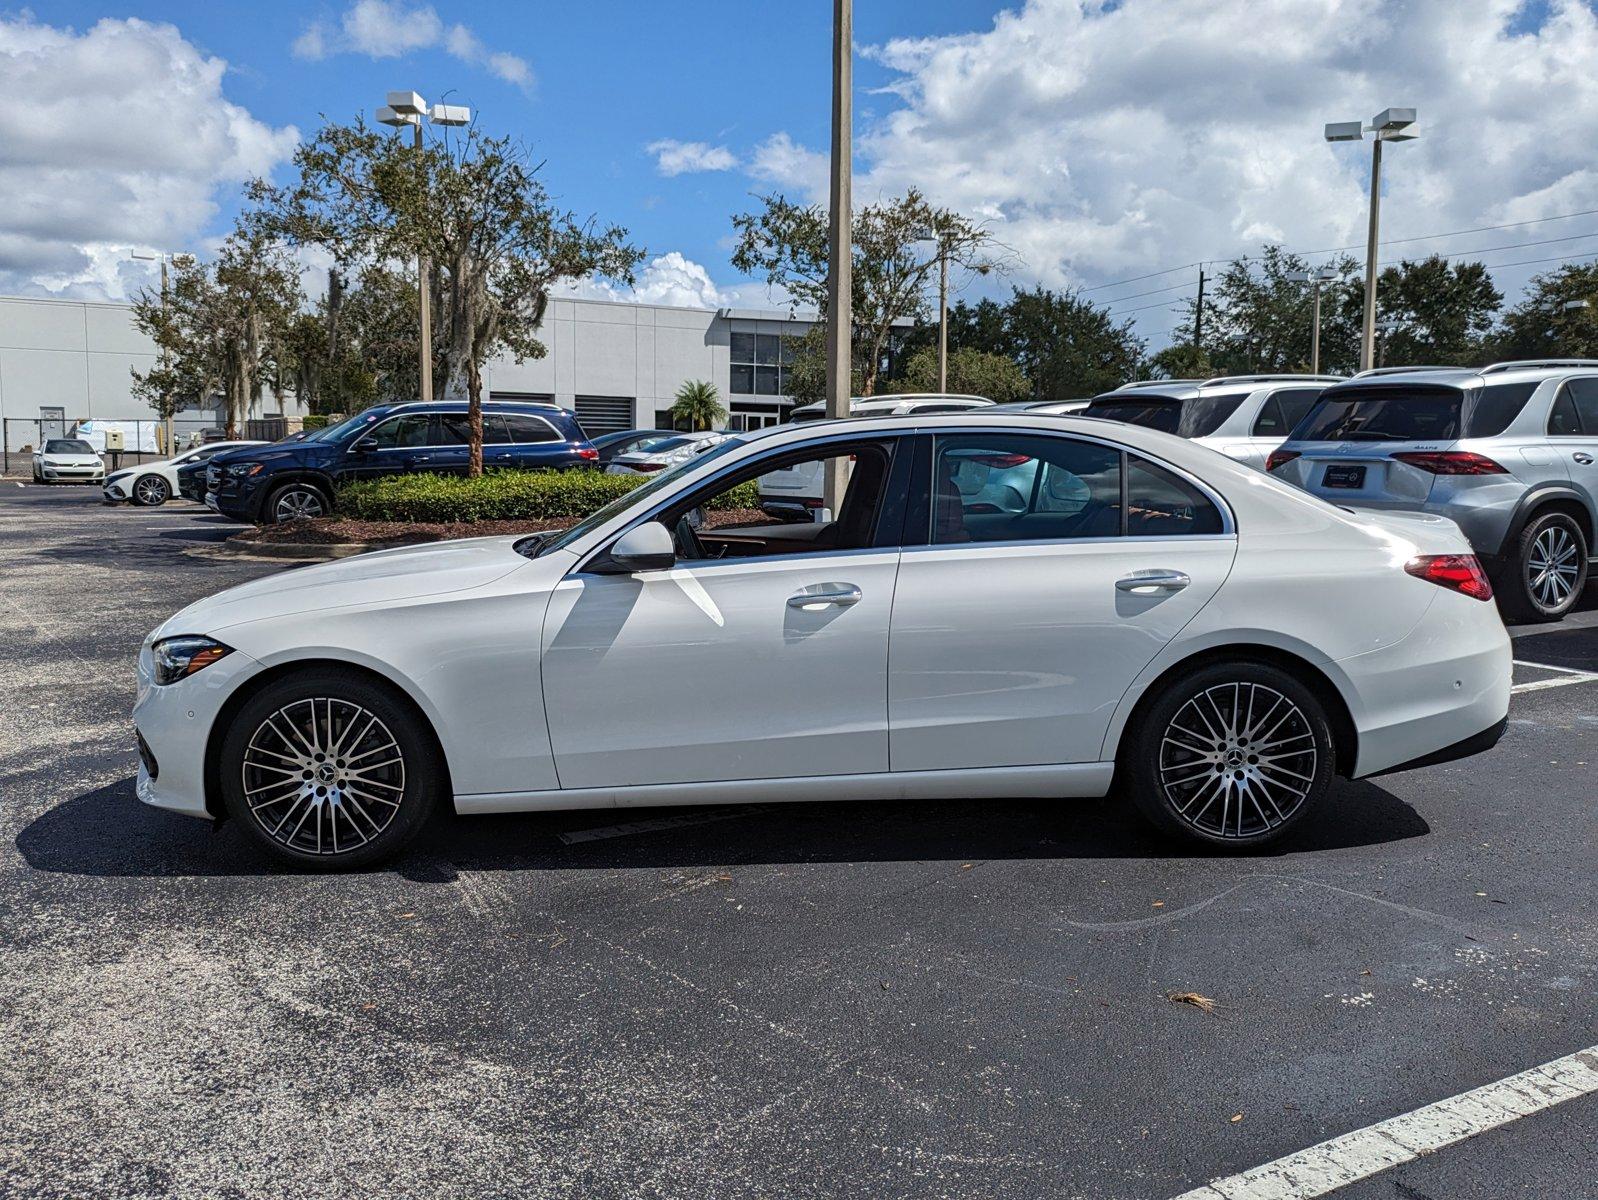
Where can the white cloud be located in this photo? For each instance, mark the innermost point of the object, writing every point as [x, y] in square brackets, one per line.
[782, 161]
[677, 158]
[392, 29]
[93, 163]
[1105, 140]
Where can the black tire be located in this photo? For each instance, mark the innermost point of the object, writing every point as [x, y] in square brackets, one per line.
[1183, 759]
[1532, 579]
[295, 499]
[150, 491]
[376, 809]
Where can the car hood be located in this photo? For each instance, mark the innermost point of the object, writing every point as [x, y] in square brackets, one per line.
[383, 577]
[69, 460]
[301, 453]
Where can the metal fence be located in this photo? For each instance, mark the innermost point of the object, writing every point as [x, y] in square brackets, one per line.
[143, 441]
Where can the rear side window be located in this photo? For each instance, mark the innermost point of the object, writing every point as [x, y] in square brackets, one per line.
[524, 428]
[1280, 414]
[1575, 411]
[1496, 406]
[1160, 504]
[1016, 488]
[1151, 412]
[1562, 418]
[1391, 414]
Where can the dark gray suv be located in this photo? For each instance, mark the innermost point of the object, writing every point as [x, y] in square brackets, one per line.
[1509, 452]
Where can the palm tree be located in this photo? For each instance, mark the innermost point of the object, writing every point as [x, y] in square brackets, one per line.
[698, 404]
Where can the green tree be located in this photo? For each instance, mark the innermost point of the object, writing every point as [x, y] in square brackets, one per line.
[1541, 326]
[698, 405]
[897, 246]
[971, 373]
[475, 207]
[219, 327]
[1182, 360]
[1446, 312]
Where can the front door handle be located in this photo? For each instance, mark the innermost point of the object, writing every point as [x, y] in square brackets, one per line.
[416, 458]
[822, 595]
[1148, 583]
[1582, 457]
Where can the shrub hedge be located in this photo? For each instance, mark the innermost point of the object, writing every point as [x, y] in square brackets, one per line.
[501, 496]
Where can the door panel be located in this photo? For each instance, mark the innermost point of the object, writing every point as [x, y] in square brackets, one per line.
[1017, 655]
[707, 672]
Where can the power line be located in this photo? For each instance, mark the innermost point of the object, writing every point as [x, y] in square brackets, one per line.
[1154, 292]
[1432, 237]
[1139, 278]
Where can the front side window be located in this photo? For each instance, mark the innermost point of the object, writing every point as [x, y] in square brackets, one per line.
[399, 433]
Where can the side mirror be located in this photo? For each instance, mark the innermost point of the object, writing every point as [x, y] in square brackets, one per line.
[646, 547]
[364, 446]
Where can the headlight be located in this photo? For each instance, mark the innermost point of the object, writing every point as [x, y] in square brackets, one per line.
[240, 470]
[177, 657]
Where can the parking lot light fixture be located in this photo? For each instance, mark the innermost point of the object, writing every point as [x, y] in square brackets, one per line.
[1389, 125]
[1315, 278]
[408, 108]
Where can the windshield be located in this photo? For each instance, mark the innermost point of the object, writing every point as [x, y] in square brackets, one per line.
[638, 495]
[68, 446]
[660, 445]
[1386, 414]
[348, 428]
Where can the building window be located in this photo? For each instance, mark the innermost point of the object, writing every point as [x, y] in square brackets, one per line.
[759, 364]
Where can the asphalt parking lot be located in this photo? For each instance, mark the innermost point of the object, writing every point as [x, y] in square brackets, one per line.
[931, 1000]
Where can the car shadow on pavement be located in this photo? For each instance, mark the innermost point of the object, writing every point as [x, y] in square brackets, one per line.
[107, 832]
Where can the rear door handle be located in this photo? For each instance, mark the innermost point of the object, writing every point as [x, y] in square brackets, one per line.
[1582, 457]
[822, 595]
[1147, 583]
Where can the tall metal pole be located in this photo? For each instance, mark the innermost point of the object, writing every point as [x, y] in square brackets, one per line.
[1367, 345]
[840, 317]
[166, 399]
[424, 290]
[1198, 316]
[1315, 334]
[943, 319]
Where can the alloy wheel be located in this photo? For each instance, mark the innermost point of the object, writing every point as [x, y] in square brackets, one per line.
[1237, 760]
[1553, 566]
[297, 502]
[150, 489]
[323, 776]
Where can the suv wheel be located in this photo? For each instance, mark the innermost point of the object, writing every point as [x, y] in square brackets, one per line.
[328, 770]
[295, 500]
[1542, 578]
[1233, 755]
[149, 490]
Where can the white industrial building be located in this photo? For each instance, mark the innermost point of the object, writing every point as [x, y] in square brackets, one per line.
[617, 365]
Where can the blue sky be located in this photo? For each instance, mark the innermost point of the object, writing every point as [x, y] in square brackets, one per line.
[1100, 141]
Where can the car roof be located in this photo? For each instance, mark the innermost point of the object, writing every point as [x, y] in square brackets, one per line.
[1512, 371]
[885, 403]
[1221, 385]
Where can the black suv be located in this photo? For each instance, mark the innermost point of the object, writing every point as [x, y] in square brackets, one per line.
[268, 484]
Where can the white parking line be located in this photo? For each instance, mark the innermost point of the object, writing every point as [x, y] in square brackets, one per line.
[1574, 677]
[1366, 1152]
[572, 837]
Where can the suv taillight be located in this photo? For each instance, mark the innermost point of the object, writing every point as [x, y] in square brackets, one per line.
[1458, 572]
[1280, 458]
[1451, 462]
[587, 452]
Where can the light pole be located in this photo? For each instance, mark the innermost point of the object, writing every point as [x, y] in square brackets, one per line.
[1386, 328]
[166, 399]
[1389, 125]
[1315, 279]
[840, 286]
[407, 108]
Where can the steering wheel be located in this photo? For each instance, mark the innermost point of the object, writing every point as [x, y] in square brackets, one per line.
[687, 539]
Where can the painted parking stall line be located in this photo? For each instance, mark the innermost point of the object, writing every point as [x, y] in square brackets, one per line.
[1365, 1152]
[1569, 676]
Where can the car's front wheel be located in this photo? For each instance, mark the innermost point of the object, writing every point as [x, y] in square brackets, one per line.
[1232, 754]
[329, 770]
[294, 501]
[1542, 578]
[148, 491]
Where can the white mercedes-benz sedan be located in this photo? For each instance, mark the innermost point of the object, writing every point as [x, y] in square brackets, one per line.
[996, 606]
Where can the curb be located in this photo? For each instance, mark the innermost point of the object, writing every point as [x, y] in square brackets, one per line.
[302, 551]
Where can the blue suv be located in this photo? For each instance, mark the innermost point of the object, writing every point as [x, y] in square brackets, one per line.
[285, 480]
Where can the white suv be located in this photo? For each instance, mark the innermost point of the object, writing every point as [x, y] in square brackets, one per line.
[1243, 416]
[798, 492]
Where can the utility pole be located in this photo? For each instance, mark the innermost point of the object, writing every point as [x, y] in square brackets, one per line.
[424, 291]
[1198, 317]
[1315, 333]
[943, 318]
[840, 288]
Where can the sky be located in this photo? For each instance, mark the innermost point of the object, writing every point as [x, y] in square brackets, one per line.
[1108, 145]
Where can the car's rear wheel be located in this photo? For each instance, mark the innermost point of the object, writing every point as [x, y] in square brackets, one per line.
[294, 501]
[149, 491]
[328, 770]
[1232, 754]
[1542, 577]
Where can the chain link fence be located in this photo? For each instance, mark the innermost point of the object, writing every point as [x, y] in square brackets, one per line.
[142, 441]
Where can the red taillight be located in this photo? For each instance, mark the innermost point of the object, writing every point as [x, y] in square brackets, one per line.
[1460, 572]
[1280, 458]
[1451, 462]
[588, 452]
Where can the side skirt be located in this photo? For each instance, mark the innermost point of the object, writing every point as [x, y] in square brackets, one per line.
[1065, 781]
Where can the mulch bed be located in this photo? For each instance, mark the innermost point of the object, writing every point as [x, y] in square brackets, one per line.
[329, 531]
